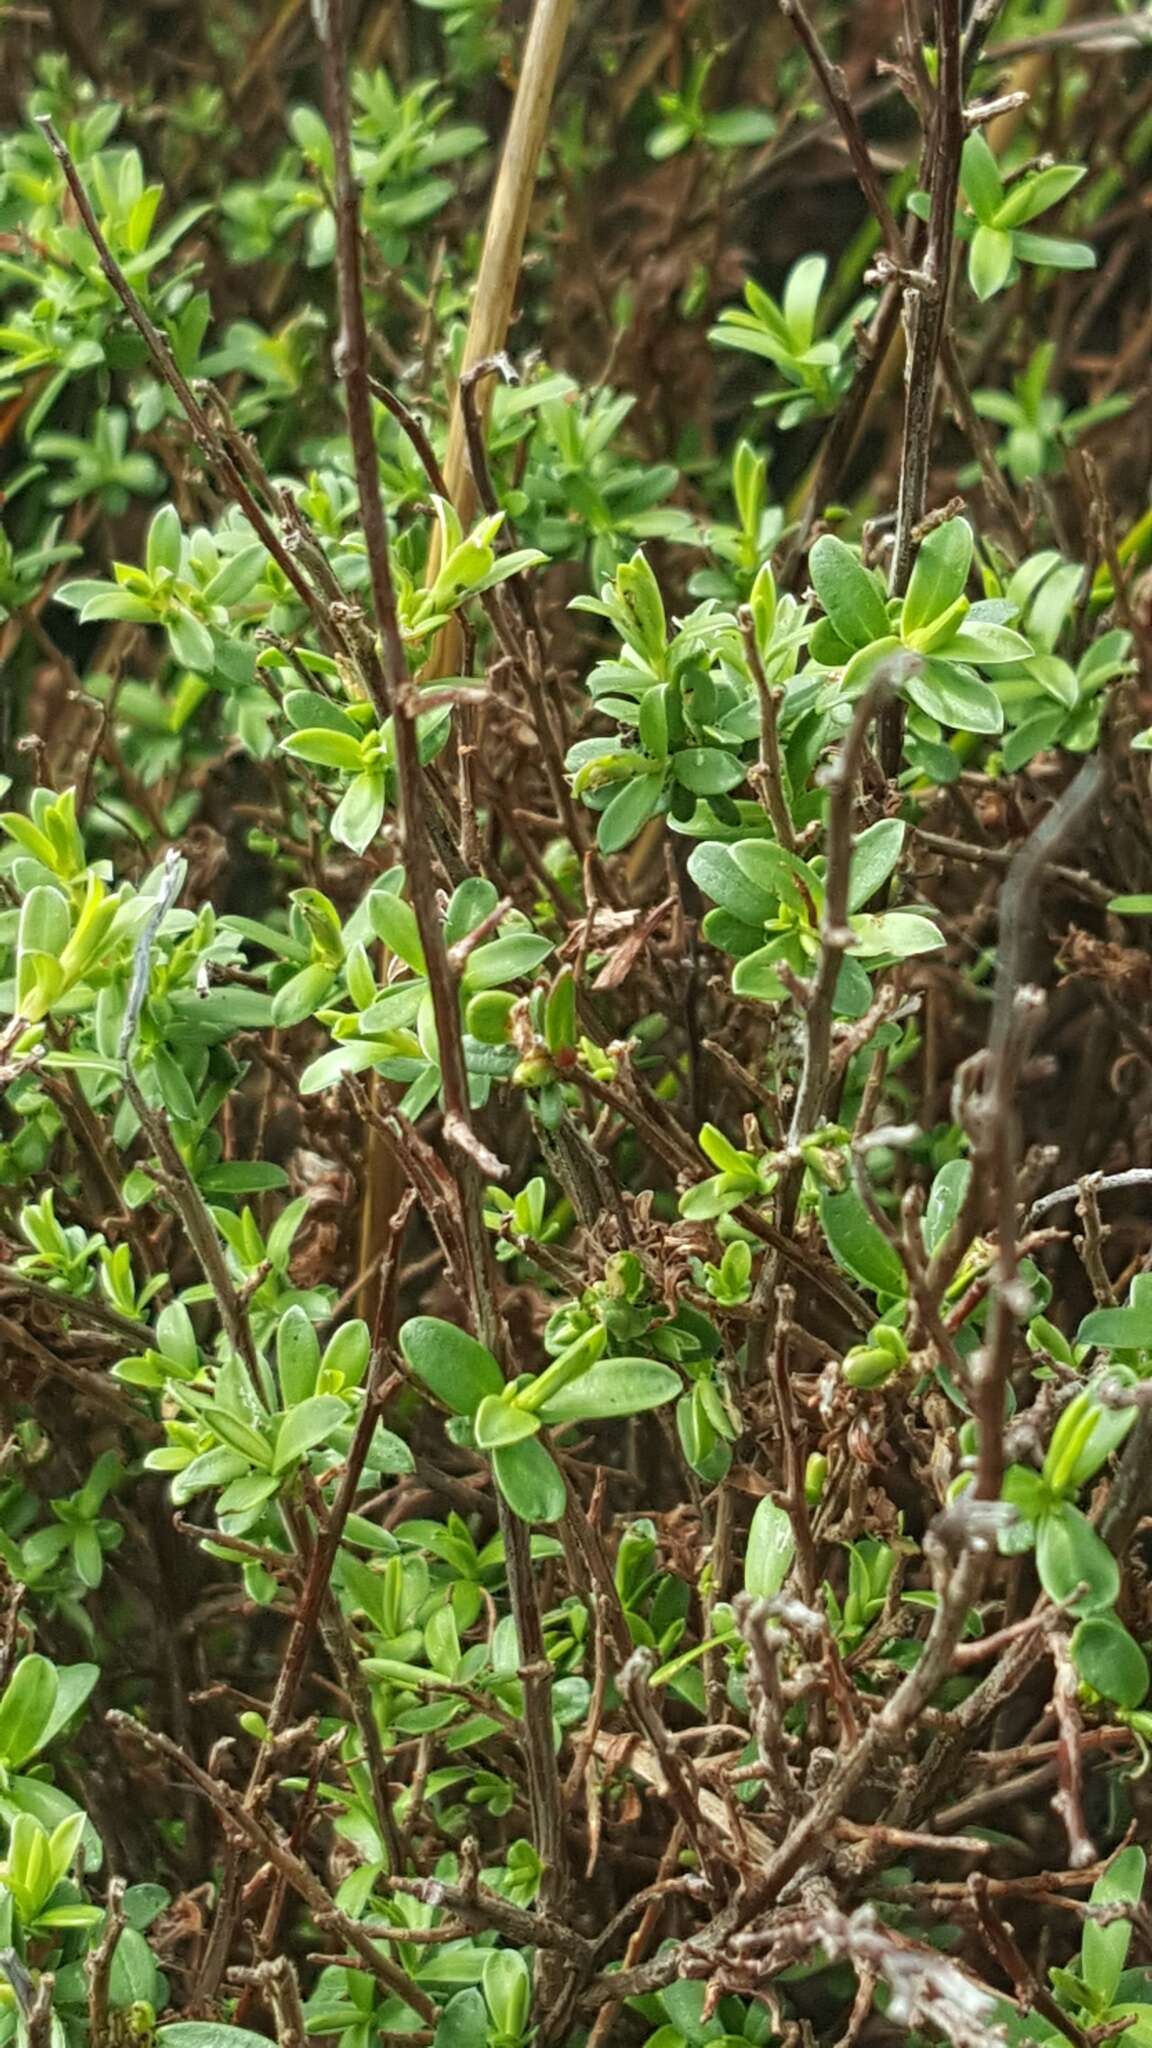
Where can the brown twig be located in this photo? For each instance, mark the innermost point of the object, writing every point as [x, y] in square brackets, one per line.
[271, 1846]
[98, 1966]
[220, 448]
[997, 1140]
[836, 938]
[925, 312]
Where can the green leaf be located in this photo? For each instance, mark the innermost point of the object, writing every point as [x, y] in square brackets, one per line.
[176, 1091]
[723, 1154]
[350, 1058]
[1105, 1948]
[874, 858]
[1085, 1437]
[684, 2004]
[302, 995]
[26, 1709]
[1033, 736]
[498, 1421]
[901, 933]
[348, 1352]
[955, 696]
[217, 1467]
[857, 1244]
[1138, 2034]
[739, 127]
[356, 819]
[707, 771]
[848, 592]
[561, 1028]
[757, 975]
[305, 710]
[777, 874]
[49, 1805]
[244, 1496]
[506, 959]
[1057, 678]
[643, 605]
[163, 545]
[1033, 195]
[1053, 251]
[235, 577]
[1077, 1570]
[508, 1990]
[462, 2024]
[394, 921]
[209, 2034]
[634, 803]
[714, 871]
[74, 1685]
[474, 900]
[45, 923]
[530, 1481]
[305, 1427]
[653, 720]
[717, 1196]
[459, 1371]
[865, 663]
[235, 1432]
[134, 1978]
[113, 603]
[326, 747]
[983, 185]
[1118, 1329]
[938, 576]
[949, 1191]
[191, 642]
[802, 289]
[241, 1177]
[989, 260]
[771, 1548]
[1110, 1660]
[616, 1386]
[87, 1556]
[986, 642]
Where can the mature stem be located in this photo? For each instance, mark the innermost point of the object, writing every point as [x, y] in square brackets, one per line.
[835, 940]
[926, 301]
[958, 1584]
[835, 92]
[475, 1164]
[219, 446]
[1014, 1014]
[272, 1847]
[98, 1967]
[926, 304]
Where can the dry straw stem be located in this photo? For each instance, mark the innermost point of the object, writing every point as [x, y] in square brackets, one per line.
[499, 272]
[492, 306]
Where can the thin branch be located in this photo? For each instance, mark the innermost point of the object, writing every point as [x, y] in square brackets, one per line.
[476, 1163]
[925, 312]
[1015, 1010]
[1102, 1183]
[769, 774]
[958, 1581]
[273, 1848]
[219, 448]
[98, 1967]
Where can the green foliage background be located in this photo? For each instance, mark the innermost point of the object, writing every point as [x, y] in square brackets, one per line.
[574, 1146]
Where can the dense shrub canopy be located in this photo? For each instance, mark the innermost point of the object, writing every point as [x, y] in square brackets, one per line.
[576, 1134]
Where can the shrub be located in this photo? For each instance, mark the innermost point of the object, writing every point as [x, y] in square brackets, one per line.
[566, 1476]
